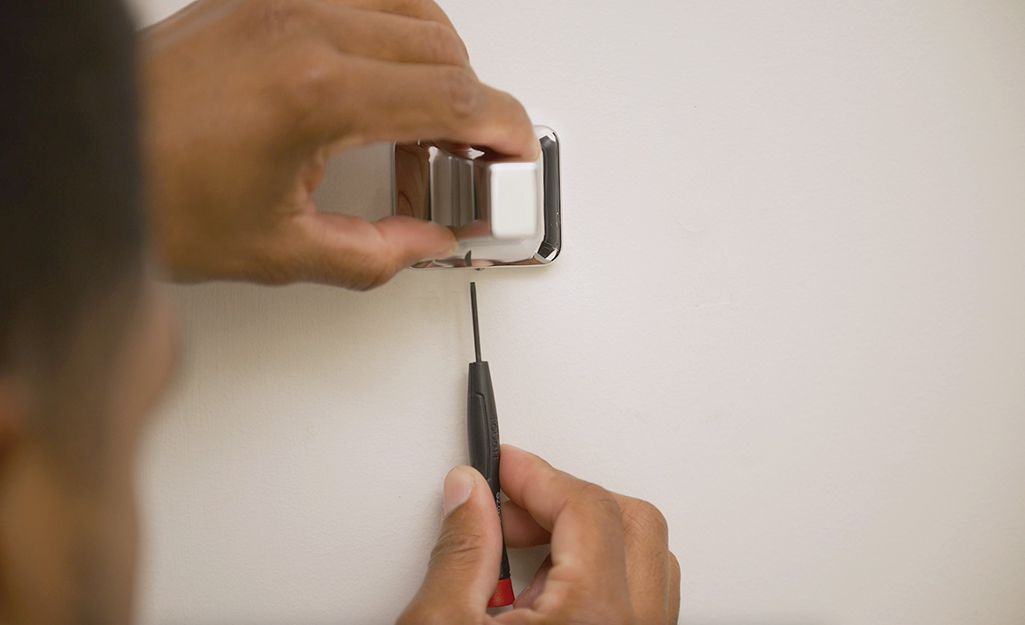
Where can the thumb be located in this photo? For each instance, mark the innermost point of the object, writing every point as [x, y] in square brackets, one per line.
[353, 252]
[464, 563]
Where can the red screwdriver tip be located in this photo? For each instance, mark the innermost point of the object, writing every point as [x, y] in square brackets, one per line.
[503, 594]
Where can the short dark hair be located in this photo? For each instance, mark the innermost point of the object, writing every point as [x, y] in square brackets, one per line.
[71, 221]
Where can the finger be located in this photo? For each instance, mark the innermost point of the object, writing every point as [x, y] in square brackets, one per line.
[464, 563]
[648, 562]
[520, 529]
[387, 36]
[370, 100]
[356, 253]
[420, 9]
[648, 567]
[533, 590]
[674, 589]
[584, 519]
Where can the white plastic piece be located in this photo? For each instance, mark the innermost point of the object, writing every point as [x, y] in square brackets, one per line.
[515, 199]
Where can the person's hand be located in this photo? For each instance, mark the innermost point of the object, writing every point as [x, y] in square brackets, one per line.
[245, 100]
[610, 562]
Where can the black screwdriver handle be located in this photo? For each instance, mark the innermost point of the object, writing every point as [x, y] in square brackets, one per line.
[482, 436]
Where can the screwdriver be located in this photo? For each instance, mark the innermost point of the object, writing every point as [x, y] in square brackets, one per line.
[482, 437]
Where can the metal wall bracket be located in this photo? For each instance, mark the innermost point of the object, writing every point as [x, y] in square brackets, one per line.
[504, 212]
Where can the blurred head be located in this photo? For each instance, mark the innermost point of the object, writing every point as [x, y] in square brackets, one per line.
[85, 344]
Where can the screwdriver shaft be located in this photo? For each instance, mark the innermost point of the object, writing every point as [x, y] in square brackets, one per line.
[476, 329]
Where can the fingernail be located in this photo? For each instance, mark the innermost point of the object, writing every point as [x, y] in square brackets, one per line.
[448, 251]
[458, 484]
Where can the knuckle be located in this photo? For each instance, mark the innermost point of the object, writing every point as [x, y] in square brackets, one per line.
[457, 548]
[650, 519]
[308, 80]
[347, 268]
[442, 44]
[356, 275]
[409, 7]
[461, 91]
[373, 274]
[366, 269]
[279, 18]
[267, 267]
[599, 497]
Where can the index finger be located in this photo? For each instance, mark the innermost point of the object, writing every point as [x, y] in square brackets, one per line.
[584, 519]
[420, 9]
[369, 100]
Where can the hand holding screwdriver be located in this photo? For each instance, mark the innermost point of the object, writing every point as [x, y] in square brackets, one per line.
[610, 561]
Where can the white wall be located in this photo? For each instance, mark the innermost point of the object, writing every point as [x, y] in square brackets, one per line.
[790, 312]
